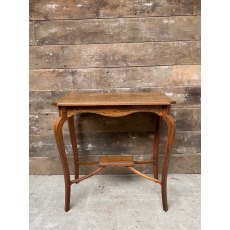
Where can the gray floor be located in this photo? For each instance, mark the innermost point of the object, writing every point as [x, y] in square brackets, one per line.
[108, 202]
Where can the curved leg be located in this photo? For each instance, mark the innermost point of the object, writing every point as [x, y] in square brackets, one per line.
[61, 148]
[156, 146]
[73, 139]
[170, 137]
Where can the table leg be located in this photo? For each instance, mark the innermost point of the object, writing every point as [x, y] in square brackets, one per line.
[156, 146]
[61, 148]
[170, 137]
[73, 139]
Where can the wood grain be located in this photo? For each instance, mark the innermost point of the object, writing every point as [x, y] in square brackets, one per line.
[113, 99]
[115, 55]
[40, 101]
[155, 46]
[32, 40]
[134, 143]
[187, 119]
[59, 9]
[119, 160]
[70, 32]
[33, 124]
[110, 78]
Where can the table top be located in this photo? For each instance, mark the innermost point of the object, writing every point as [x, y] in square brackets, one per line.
[114, 99]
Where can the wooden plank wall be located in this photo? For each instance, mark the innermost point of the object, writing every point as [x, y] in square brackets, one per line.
[106, 45]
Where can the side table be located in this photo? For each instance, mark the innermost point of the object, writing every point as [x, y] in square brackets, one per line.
[114, 105]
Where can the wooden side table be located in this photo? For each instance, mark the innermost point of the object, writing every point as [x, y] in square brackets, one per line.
[114, 105]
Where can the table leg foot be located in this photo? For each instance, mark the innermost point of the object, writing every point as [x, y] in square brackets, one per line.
[164, 196]
[67, 198]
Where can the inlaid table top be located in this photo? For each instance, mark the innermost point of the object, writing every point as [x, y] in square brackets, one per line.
[105, 99]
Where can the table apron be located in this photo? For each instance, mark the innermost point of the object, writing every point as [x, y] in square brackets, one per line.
[115, 111]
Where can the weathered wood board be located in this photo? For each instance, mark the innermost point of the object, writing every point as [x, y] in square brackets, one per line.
[70, 32]
[115, 55]
[113, 46]
[107, 143]
[111, 78]
[82, 9]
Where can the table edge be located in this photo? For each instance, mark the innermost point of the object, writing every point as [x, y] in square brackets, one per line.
[62, 104]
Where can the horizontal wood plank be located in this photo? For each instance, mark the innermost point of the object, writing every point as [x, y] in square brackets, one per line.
[115, 55]
[81, 9]
[187, 119]
[110, 78]
[134, 143]
[179, 163]
[70, 32]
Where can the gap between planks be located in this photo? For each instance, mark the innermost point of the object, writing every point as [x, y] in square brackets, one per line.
[112, 18]
[86, 44]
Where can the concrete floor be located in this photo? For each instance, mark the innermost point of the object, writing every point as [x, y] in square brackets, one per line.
[114, 202]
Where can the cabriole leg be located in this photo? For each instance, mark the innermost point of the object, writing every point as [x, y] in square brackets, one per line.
[61, 148]
[170, 137]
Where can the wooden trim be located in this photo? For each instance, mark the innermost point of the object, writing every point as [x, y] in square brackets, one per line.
[87, 176]
[144, 175]
[88, 163]
[143, 162]
[114, 111]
